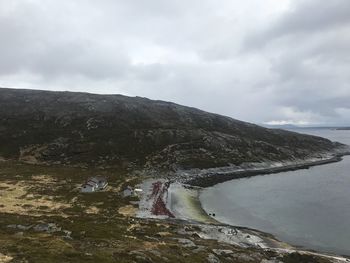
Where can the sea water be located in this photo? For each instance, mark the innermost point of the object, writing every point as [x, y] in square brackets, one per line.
[308, 208]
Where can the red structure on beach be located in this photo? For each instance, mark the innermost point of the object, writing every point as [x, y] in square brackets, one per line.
[158, 193]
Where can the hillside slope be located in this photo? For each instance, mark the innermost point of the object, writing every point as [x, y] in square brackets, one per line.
[89, 129]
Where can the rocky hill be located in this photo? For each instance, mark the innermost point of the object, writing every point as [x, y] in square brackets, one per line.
[107, 130]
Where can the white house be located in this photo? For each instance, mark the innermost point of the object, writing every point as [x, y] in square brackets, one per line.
[101, 182]
[88, 188]
[94, 184]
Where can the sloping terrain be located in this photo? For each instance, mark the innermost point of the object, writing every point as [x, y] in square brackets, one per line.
[45, 219]
[115, 130]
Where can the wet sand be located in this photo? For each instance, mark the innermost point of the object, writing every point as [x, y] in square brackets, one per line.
[183, 201]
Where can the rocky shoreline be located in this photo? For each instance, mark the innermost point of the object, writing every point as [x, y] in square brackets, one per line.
[211, 177]
[188, 211]
[180, 199]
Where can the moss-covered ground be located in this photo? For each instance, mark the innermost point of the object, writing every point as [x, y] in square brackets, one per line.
[99, 233]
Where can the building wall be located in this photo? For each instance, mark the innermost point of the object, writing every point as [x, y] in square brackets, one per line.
[88, 189]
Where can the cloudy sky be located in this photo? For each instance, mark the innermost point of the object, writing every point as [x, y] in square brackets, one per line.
[271, 61]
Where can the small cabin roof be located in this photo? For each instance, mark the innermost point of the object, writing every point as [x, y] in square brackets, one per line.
[87, 184]
[98, 179]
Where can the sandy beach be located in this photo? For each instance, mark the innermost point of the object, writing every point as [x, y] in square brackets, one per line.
[183, 202]
[170, 199]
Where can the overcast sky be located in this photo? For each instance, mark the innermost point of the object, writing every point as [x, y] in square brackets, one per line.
[271, 61]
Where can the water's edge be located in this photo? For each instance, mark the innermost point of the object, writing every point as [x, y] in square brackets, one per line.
[269, 239]
[181, 198]
[216, 178]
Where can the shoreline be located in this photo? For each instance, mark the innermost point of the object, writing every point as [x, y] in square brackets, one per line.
[212, 178]
[181, 199]
[211, 229]
[271, 241]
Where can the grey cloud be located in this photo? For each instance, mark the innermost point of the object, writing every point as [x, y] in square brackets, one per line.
[310, 16]
[307, 17]
[230, 57]
[33, 42]
[307, 48]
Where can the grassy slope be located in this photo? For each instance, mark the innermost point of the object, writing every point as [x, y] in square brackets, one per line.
[103, 237]
[115, 130]
[109, 134]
